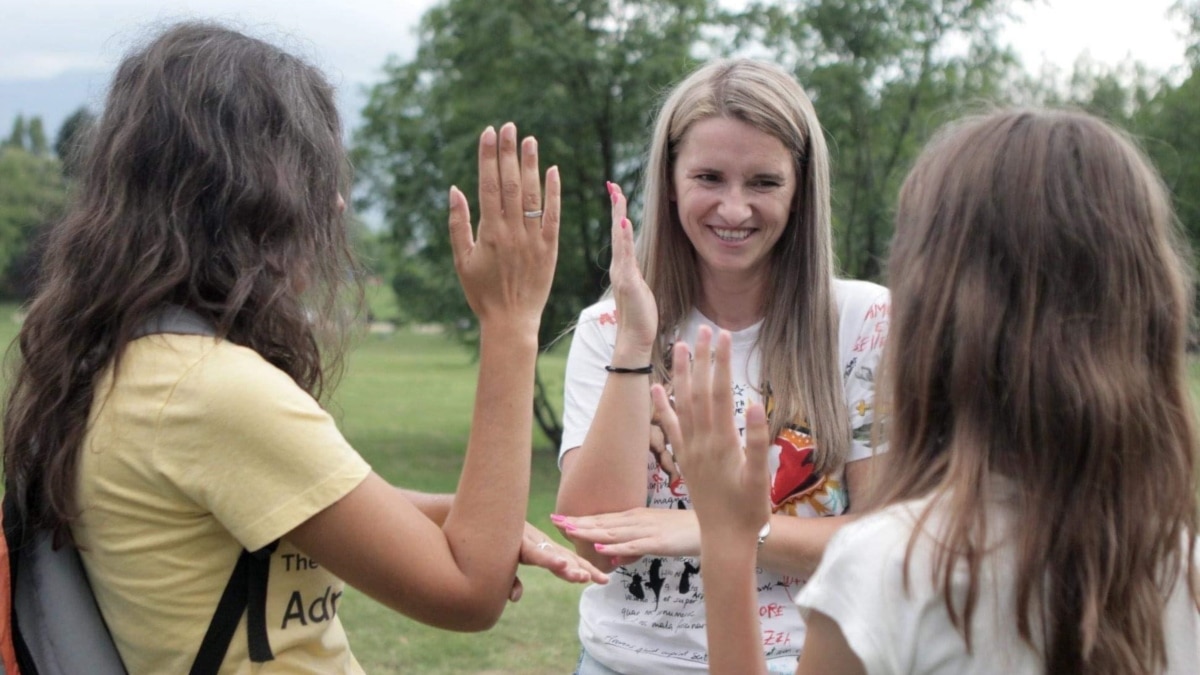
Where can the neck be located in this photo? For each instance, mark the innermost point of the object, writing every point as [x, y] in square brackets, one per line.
[732, 303]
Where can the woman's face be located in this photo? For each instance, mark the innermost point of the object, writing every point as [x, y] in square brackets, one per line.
[733, 187]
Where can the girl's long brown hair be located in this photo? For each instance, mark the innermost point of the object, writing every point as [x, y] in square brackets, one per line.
[1040, 296]
[211, 182]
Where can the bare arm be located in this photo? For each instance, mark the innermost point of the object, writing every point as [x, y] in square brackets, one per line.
[794, 547]
[459, 575]
[729, 486]
[608, 472]
[826, 651]
[796, 544]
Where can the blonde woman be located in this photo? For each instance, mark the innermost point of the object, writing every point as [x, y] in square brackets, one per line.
[736, 236]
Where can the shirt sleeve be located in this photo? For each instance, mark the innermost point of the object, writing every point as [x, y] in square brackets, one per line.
[243, 441]
[868, 323]
[591, 349]
[852, 586]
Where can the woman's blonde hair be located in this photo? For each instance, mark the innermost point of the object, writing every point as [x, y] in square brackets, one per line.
[798, 340]
[1040, 301]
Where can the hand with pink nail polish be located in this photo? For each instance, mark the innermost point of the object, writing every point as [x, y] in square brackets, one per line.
[637, 313]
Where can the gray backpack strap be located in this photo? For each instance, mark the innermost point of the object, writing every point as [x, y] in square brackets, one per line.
[175, 319]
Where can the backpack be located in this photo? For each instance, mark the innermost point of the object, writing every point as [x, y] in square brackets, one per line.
[49, 621]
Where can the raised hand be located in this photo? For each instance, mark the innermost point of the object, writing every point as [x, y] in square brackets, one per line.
[506, 267]
[729, 485]
[637, 314]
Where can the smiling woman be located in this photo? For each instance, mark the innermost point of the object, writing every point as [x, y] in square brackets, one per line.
[737, 237]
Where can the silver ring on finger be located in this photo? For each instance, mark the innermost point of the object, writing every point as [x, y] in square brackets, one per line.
[533, 214]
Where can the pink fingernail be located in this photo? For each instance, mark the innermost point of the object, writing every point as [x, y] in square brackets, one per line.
[625, 223]
[616, 562]
[600, 547]
[556, 518]
[569, 527]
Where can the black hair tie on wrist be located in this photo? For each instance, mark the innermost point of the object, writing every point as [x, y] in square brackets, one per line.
[644, 370]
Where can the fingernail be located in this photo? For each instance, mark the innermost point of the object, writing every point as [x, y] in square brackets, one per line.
[531, 145]
[489, 135]
[569, 527]
[625, 223]
[554, 517]
[615, 562]
[600, 547]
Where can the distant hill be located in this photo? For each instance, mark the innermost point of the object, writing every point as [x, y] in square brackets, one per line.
[52, 99]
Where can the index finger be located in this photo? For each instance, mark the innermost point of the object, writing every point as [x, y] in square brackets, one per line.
[489, 176]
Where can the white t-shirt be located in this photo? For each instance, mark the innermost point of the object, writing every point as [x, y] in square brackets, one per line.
[650, 617]
[860, 585]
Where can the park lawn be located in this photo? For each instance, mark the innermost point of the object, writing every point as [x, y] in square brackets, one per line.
[405, 403]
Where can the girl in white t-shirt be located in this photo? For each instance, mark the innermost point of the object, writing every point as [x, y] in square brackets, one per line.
[735, 234]
[1040, 512]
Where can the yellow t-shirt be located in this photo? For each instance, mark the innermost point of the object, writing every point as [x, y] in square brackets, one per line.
[201, 449]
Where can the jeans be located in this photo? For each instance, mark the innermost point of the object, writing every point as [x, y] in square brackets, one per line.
[589, 666]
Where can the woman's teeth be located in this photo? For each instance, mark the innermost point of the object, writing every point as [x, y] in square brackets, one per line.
[731, 235]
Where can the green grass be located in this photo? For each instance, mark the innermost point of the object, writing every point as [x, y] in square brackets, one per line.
[405, 403]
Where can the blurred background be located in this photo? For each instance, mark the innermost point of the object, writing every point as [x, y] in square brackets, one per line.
[418, 79]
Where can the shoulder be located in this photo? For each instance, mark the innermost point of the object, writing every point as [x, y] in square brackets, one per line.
[879, 534]
[598, 322]
[859, 299]
[213, 377]
[603, 313]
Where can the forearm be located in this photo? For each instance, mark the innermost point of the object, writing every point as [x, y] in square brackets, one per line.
[796, 544]
[608, 472]
[434, 506]
[734, 632]
[485, 521]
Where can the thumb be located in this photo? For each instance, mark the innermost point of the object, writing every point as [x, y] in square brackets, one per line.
[461, 239]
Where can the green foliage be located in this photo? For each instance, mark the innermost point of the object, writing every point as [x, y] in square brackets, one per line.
[583, 76]
[37, 137]
[32, 192]
[1170, 131]
[69, 139]
[16, 137]
[883, 75]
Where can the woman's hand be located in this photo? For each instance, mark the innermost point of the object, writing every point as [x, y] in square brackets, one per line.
[629, 535]
[637, 314]
[729, 485]
[507, 266]
[539, 550]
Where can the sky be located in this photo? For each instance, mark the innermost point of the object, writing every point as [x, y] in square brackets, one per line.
[56, 55]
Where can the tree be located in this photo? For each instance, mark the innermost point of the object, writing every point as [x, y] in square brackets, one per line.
[581, 75]
[883, 75]
[16, 138]
[70, 137]
[37, 137]
[32, 192]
